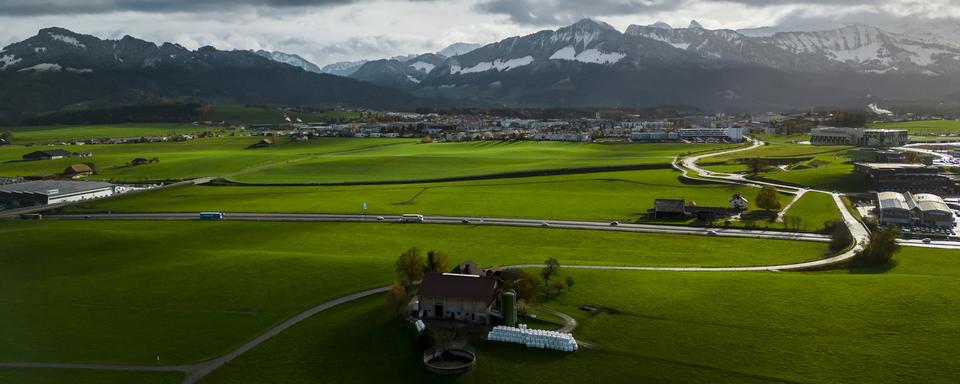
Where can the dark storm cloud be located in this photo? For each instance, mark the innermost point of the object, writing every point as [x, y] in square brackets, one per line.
[559, 12]
[71, 7]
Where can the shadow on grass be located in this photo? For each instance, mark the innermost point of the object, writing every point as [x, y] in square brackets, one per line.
[861, 269]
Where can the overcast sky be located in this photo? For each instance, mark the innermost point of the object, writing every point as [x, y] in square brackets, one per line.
[326, 31]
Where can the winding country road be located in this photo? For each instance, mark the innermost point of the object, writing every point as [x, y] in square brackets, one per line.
[195, 372]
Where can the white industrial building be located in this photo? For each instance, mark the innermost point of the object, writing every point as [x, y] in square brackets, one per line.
[43, 192]
[859, 137]
[735, 134]
[909, 209]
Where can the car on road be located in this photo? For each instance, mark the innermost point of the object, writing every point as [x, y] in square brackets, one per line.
[712, 232]
[926, 240]
[31, 216]
[544, 224]
[614, 223]
[465, 221]
[380, 218]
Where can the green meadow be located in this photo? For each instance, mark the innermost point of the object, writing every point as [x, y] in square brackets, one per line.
[64, 133]
[127, 292]
[924, 127]
[216, 156]
[445, 160]
[85, 376]
[826, 327]
[624, 196]
[338, 160]
[819, 167]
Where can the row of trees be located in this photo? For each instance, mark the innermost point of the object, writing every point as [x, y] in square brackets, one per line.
[410, 267]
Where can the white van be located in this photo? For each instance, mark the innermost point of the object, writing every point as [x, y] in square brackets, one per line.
[411, 218]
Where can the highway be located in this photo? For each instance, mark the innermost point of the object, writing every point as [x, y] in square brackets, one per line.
[462, 220]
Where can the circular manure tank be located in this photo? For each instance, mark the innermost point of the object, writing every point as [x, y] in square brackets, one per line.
[452, 361]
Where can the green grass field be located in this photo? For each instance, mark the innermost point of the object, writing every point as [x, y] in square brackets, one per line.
[444, 160]
[624, 196]
[924, 127]
[180, 160]
[820, 167]
[833, 327]
[337, 160]
[126, 292]
[64, 133]
[815, 209]
[85, 376]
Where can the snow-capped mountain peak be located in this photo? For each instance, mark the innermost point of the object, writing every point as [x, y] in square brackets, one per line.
[695, 25]
[291, 59]
[660, 25]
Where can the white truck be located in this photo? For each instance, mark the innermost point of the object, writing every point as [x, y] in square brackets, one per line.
[411, 218]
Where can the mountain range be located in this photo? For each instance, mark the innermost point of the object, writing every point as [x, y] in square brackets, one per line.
[591, 63]
[587, 64]
[59, 70]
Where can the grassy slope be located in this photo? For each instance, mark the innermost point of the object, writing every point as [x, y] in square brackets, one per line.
[59, 133]
[893, 327]
[126, 292]
[815, 209]
[598, 196]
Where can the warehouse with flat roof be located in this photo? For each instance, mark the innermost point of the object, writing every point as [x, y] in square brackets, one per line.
[43, 192]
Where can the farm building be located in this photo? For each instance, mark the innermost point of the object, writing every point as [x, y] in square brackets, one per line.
[454, 296]
[669, 209]
[50, 154]
[42, 192]
[78, 170]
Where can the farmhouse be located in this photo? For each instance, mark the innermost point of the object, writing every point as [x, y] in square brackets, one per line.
[454, 296]
[78, 170]
[41, 192]
[738, 202]
[50, 154]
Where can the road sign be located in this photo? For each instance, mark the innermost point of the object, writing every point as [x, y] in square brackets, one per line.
[364, 205]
